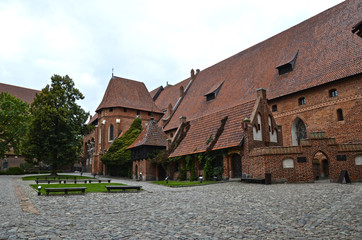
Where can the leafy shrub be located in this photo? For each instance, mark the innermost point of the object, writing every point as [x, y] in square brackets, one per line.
[218, 172]
[182, 175]
[118, 158]
[14, 171]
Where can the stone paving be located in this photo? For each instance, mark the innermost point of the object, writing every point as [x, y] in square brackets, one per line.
[231, 210]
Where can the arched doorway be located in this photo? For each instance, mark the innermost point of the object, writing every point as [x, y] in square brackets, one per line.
[236, 165]
[320, 166]
[299, 131]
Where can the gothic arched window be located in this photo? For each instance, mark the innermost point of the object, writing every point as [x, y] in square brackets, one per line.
[299, 131]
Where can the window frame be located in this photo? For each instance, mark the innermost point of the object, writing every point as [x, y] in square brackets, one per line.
[302, 101]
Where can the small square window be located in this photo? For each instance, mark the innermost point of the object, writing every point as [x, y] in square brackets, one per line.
[138, 112]
[124, 109]
[149, 113]
[301, 101]
[333, 93]
[274, 108]
[111, 109]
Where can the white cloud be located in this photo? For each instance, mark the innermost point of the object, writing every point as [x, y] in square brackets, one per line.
[149, 41]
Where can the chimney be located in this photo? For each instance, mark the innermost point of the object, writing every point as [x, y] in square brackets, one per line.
[182, 119]
[169, 109]
[261, 92]
[192, 73]
[197, 71]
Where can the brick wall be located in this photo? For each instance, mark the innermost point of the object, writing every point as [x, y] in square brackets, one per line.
[108, 117]
[320, 111]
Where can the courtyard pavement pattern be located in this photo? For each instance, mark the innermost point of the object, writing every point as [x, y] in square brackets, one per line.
[230, 210]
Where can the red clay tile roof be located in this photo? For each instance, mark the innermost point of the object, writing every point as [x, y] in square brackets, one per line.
[127, 93]
[152, 135]
[26, 94]
[202, 128]
[328, 51]
[170, 94]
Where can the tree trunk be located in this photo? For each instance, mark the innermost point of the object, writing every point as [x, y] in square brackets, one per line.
[54, 171]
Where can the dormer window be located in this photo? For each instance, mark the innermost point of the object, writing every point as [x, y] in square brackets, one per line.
[357, 29]
[287, 66]
[210, 96]
[213, 92]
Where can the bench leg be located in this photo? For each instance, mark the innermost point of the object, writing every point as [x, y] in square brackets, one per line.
[66, 191]
[47, 193]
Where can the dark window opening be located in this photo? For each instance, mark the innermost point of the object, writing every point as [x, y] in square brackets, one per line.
[171, 135]
[301, 159]
[111, 133]
[285, 69]
[274, 108]
[301, 101]
[111, 109]
[124, 109]
[333, 93]
[214, 91]
[341, 158]
[138, 112]
[210, 96]
[340, 115]
[149, 113]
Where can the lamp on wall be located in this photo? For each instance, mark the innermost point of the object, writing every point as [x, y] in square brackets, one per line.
[104, 122]
[118, 120]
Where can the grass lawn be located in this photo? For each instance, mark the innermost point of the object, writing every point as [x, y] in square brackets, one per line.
[42, 177]
[91, 187]
[172, 183]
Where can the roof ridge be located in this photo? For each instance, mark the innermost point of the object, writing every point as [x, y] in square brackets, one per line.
[20, 87]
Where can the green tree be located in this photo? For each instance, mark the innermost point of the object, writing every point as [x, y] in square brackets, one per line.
[118, 158]
[14, 116]
[57, 124]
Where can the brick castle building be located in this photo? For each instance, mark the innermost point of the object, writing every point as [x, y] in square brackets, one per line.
[289, 106]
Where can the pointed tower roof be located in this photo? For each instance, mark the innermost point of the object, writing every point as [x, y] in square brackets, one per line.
[127, 93]
[152, 135]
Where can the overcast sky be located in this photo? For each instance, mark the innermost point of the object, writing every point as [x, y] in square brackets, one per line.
[149, 41]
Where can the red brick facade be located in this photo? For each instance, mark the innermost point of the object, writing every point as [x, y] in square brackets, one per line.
[121, 120]
[320, 111]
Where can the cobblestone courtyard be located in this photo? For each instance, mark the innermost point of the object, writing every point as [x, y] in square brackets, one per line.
[231, 210]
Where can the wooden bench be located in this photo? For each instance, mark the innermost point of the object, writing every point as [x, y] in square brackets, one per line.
[76, 181]
[99, 180]
[122, 187]
[65, 190]
[47, 181]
